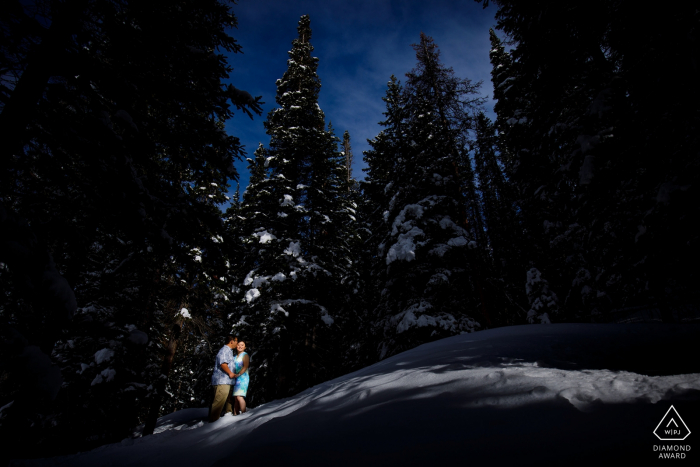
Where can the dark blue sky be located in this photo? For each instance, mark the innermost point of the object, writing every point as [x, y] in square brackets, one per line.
[360, 44]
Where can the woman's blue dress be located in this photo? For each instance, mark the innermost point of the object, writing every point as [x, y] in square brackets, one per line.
[241, 386]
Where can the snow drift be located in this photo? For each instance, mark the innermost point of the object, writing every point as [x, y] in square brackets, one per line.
[524, 395]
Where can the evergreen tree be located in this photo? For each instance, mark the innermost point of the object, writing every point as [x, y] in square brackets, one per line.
[427, 292]
[542, 300]
[584, 154]
[117, 159]
[296, 240]
[379, 179]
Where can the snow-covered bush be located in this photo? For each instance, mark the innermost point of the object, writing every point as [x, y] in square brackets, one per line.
[543, 302]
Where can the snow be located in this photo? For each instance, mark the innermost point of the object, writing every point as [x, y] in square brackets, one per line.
[539, 296]
[440, 249]
[259, 281]
[287, 201]
[279, 277]
[560, 394]
[415, 210]
[105, 376]
[249, 278]
[185, 313]
[325, 317]
[437, 279]
[294, 249]
[404, 249]
[446, 222]
[251, 295]
[265, 236]
[103, 355]
[457, 241]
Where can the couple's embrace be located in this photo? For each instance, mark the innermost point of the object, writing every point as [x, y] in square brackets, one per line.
[230, 370]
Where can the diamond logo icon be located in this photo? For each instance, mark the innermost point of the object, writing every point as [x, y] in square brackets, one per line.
[672, 427]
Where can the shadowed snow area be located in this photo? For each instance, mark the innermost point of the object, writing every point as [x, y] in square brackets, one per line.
[578, 393]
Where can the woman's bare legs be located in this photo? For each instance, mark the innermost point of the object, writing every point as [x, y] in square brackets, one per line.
[240, 405]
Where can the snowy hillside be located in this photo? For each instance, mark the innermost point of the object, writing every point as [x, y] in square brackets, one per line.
[522, 395]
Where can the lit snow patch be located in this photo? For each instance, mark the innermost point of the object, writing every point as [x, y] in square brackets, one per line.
[259, 281]
[279, 277]
[281, 214]
[277, 308]
[103, 355]
[265, 236]
[251, 295]
[294, 249]
[404, 249]
[249, 278]
[415, 210]
[185, 313]
[287, 201]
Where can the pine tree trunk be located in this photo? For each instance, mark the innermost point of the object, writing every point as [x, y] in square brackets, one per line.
[162, 382]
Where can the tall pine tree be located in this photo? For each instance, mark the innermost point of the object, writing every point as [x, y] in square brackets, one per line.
[297, 255]
[426, 260]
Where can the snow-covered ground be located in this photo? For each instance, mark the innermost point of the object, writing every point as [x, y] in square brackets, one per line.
[575, 394]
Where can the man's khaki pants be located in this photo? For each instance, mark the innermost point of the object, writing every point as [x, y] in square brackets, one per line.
[219, 399]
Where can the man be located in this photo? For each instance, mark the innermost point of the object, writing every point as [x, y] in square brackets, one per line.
[221, 379]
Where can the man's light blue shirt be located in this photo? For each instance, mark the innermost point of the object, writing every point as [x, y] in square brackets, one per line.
[225, 355]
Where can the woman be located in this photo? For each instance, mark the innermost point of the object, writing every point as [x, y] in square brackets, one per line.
[240, 369]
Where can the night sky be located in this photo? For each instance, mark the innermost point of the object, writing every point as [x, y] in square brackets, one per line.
[360, 44]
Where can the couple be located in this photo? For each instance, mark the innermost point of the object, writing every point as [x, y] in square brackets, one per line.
[230, 370]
